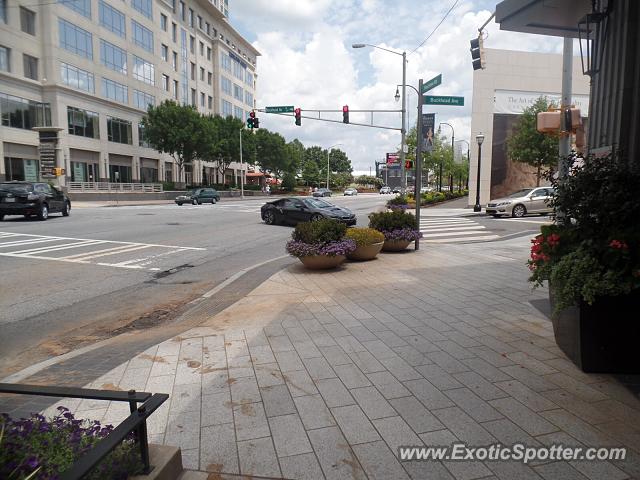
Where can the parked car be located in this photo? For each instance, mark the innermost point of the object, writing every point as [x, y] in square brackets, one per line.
[198, 196]
[518, 204]
[426, 189]
[294, 210]
[351, 191]
[322, 192]
[32, 198]
[384, 190]
[398, 190]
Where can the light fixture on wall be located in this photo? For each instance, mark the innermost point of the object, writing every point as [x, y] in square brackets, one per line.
[592, 27]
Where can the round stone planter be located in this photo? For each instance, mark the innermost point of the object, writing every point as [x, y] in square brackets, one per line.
[322, 262]
[395, 245]
[366, 252]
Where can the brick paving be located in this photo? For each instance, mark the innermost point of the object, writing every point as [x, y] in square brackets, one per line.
[326, 374]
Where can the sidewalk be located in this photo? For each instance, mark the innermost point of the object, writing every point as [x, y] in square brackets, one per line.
[325, 374]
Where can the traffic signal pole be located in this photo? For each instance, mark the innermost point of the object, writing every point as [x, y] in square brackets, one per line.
[241, 169]
[418, 165]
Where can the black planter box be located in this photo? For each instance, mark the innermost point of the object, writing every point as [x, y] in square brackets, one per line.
[603, 337]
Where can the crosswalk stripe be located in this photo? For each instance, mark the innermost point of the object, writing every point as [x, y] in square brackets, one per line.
[66, 246]
[449, 234]
[466, 239]
[82, 257]
[453, 229]
[29, 241]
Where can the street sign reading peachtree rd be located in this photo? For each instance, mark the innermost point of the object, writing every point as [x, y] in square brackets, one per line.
[281, 109]
[441, 100]
[433, 83]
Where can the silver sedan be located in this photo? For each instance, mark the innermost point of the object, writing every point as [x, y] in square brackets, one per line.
[518, 204]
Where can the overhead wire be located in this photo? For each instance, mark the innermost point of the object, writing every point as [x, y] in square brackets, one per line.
[436, 28]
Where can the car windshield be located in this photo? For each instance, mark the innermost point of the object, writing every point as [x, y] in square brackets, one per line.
[520, 193]
[194, 192]
[316, 203]
[16, 187]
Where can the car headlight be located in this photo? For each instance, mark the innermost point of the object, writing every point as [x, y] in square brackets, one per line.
[504, 203]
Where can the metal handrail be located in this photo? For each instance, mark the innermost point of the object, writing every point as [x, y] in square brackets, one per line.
[115, 187]
[135, 422]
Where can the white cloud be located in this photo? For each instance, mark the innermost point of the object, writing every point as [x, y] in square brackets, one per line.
[307, 61]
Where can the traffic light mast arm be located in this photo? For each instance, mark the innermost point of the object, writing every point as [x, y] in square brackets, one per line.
[339, 121]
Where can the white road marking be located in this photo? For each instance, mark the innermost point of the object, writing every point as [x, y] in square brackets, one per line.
[30, 241]
[452, 229]
[466, 239]
[65, 246]
[82, 257]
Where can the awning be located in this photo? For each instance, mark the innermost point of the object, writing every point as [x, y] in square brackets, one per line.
[557, 18]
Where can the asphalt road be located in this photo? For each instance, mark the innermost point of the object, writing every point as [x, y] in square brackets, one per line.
[124, 264]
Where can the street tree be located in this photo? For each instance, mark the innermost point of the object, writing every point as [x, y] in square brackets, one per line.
[339, 161]
[177, 130]
[271, 152]
[310, 172]
[525, 144]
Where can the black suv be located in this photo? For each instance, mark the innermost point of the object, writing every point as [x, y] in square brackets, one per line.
[32, 198]
[198, 196]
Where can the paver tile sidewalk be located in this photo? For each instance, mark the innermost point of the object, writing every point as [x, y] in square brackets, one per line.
[326, 374]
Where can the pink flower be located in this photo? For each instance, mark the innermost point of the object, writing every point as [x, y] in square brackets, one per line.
[618, 244]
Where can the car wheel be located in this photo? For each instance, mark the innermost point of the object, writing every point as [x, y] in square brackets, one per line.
[67, 209]
[495, 215]
[518, 211]
[213, 201]
[269, 217]
[316, 217]
[194, 202]
[179, 204]
[43, 213]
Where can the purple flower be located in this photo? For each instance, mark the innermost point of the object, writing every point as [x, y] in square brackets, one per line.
[298, 249]
[32, 463]
[406, 233]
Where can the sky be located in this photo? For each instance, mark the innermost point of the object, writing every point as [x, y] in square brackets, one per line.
[307, 61]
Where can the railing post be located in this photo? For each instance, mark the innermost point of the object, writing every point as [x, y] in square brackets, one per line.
[144, 443]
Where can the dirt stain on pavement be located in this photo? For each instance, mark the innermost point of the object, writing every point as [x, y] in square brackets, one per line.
[211, 369]
[215, 468]
[110, 386]
[153, 358]
[193, 364]
[231, 381]
[352, 462]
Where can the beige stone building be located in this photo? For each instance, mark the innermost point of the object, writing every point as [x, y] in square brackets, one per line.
[92, 67]
[512, 81]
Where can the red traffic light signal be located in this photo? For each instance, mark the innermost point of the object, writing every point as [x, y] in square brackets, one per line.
[252, 114]
[408, 164]
[298, 114]
[345, 114]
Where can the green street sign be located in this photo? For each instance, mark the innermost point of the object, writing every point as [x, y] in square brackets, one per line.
[433, 83]
[281, 109]
[442, 100]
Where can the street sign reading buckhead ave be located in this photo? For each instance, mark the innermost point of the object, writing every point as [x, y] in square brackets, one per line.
[442, 100]
[433, 83]
[280, 109]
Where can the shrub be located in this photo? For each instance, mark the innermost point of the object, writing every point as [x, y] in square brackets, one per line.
[399, 201]
[395, 225]
[321, 231]
[288, 181]
[298, 248]
[365, 236]
[52, 446]
[168, 186]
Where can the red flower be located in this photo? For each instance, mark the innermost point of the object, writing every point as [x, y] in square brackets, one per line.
[553, 239]
[618, 244]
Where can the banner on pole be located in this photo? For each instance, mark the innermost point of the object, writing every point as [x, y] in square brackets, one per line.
[428, 125]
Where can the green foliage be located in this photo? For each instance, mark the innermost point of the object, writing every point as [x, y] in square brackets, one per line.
[341, 179]
[310, 172]
[365, 236]
[272, 153]
[288, 181]
[320, 231]
[398, 200]
[527, 145]
[596, 250]
[366, 180]
[394, 220]
[168, 186]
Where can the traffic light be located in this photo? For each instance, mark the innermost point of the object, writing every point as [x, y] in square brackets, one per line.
[345, 114]
[298, 114]
[408, 164]
[477, 53]
[251, 121]
[58, 172]
[256, 123]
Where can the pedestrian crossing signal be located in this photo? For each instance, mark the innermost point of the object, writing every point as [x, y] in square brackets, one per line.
[298, 114]
[58, 172]
[408, 164]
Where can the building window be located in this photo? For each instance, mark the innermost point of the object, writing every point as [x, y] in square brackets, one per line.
[191, 17]
[113, 57]
[202, 74]
[3, 11]
[176, 91]
[30, 65]
[142, 36]
[226, 109]
[192, 44]
[201, 49]
[77, 78]
[238, 71]
[248, 98]
[143, 100]
[83, 123]
[225, 61]
[174, 32]
[5, 59]
[144, 7]
[208, 53]
[83, 7]
[238, 112]
[115, 91]
[202, 97]
[207, 28]
[144, 71]
[210, 102]
[164, 52]
[238, 93]
[119, 130]
[199, 22]
[248, 78]
[165, 82]
[22, 113]
[193, 71]
[209, 78]
[182, 12]
[27, 21]
[112, 19]
[75, 39]
[174, 61]
[163, 22]
[142, 139]
[225, 84]
[193, 97]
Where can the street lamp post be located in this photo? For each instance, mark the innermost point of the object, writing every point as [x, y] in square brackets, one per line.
[479, 139]
[241, 169]
[403, 130]
[328, 171]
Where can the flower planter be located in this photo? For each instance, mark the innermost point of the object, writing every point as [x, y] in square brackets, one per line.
[366, 252]
[322, 262]
[600, 338]
[395, 245]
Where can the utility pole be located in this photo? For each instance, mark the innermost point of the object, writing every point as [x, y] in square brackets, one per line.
[418, 182]
[564, 148]
[241, 169]
[403, 177]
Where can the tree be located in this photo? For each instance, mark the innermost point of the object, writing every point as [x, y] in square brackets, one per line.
[527, 145]
[317, 155]
[295, 150]
[271, 152]
[289, 181]
[368, 181]
[177, 130]
[310, 172]
[339, 162]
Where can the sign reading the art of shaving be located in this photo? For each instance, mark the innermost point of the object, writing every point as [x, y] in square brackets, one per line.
[515, 101]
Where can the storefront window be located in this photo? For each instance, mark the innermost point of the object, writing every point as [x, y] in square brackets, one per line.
[21, 169]
[22, 113]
